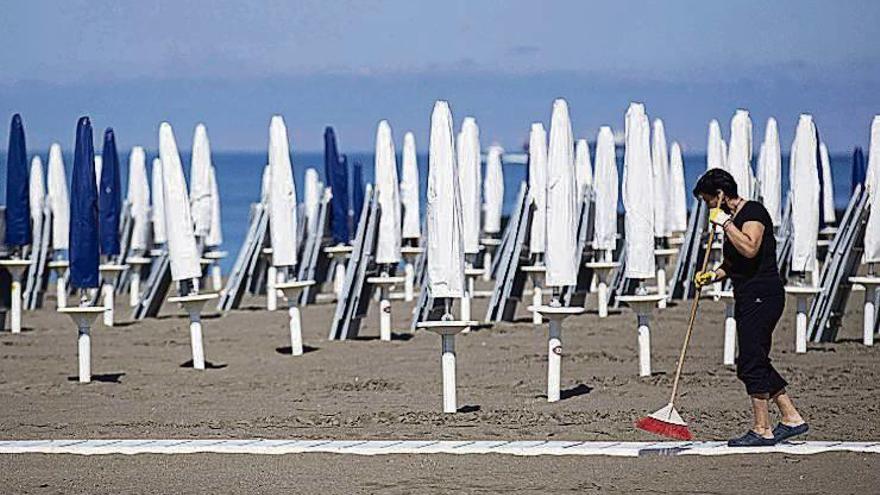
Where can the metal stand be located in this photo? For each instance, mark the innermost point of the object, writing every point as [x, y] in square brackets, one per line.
[385, 283]
[409, 253]
[602, 270]
[340, 252]
[60, 268]
[803, 295]
[447, 329]
[292, 291]
[870, 313]
[216, 274]
[16, 268]
[555, 313]
[84, 317]
[643, 306]
[109, 272]
[490, 244]
[136, 264]
[729, 328]
[662, 256]
[193, 305]
[536, 274]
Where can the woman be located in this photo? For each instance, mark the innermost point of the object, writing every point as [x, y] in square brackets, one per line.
[750, 262]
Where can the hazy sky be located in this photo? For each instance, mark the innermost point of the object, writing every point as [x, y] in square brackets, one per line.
[231, 64]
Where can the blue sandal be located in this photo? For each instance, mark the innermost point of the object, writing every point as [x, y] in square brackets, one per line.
[751, 439]
[784, 432]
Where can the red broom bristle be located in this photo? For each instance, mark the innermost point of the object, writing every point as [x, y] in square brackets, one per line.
[656, 426]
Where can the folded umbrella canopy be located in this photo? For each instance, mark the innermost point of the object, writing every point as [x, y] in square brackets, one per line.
[18, 215]
[158, 198]
[857, 175]
[805, 195]
[336, 173]
[638, 195]
[470, 181]
[677, 214]
[282, 196]
[606, 185]
[265, 184]
[538, 187]
[311, 197]
[385, 173]
[770, 172]
[716, 152]
[109, 197]
[493, 194]
[84, 251]
[36, 193]
[59, 201]
[139, 199]
[872, 185]
[660, 174]
[357, 189]
[444, 216]
[215, 234]
[582, 167]
[409, 189]
[200, 181]
[739, 156]
[561, 252]
[181, 240]
[828, 213]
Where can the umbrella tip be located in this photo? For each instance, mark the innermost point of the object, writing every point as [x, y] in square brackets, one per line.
[16, 119]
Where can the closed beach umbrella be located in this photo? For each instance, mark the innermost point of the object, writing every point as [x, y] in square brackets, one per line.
[857, 175]
[357, 188]
[385, 173]
[158, 198]
[84, 251]
[444, 216]
[607, 193]
[36, 192]
[739, 156]
[872, 185]
[200, 181]
[493, 194]
[139, 198]
[538, 186]
[109, 197]
[770, 172]
[716, 154]
[178, 221]
[265, 184]
[282, 196]
[806, 198]
[409, 189]
[311, 196]
[562, 201]
[638, 195]
[469, 177]
[582, 167]
[660, 174]
[59, 201]
[215, 235]
[828, 213]
[18, 214]
[337, 179]
[677, 214]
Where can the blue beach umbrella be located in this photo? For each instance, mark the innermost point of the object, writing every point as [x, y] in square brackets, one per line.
[84, 211]
[357, 191]
[18, 210]
[858, 168]
[336, 172]
[109, 197]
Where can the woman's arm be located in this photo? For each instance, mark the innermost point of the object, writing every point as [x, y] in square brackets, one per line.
[748, 240]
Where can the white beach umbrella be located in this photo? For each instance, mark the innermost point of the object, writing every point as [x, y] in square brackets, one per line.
[200, 181]
[99, 165]
[638, 195]
[716, 153]
[805, 195]
[562, 201]
[827, 186]
[409, 189]
[215, 235]
[607, 192]
[677, 214]
[158, 198]
[444, 216]
[872, 184]
[583, 168]
[139, 198]
[493, 194]
[739, 157]
[469, 178]
[312, 197]
[770, 172]
[59, 199]
[282, 196]
[385, 173]
[538, 186]
[178, 221]
[37, 191]
[660, 174]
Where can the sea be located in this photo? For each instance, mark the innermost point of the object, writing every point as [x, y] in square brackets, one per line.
[239, 176]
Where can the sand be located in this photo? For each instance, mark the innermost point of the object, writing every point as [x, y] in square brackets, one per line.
[368, 389]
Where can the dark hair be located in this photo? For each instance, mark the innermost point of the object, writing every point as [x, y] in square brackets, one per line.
[716, 179]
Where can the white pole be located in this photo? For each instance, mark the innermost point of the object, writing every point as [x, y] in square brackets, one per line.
[448, 360]
[134, 288]
[466, 302]
[487, 265]
[870, 314]
[644, 346]
[536, 302]
[801, 325]
[84, 342]
[296, 340]
[409, 273]
[602, 294]
[107, 290]
[339, 279]
[271, 294]
[729, 334]
[384, 316]
[554, 360]
[61, 292]
[16, 306]
[195, 336]
[216, 277]
[661, 286]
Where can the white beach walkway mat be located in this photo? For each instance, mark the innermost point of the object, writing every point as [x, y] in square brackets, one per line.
[257, 446]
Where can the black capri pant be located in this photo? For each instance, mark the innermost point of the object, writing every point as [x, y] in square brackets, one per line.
[756, 318]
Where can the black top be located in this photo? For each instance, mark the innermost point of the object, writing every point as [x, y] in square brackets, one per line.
[759, 274]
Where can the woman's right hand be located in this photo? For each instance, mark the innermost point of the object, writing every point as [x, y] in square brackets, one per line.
[705, 278]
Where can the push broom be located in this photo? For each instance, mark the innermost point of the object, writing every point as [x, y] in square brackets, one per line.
[667, 422]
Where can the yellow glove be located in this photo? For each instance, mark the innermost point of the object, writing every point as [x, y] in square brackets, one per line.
[718, 216]
[705, 278]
